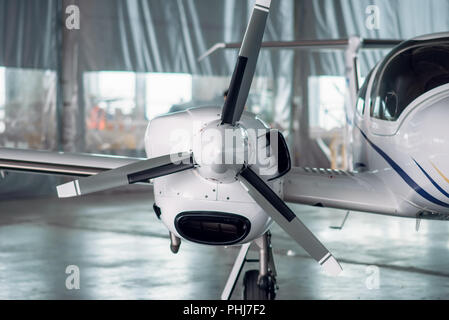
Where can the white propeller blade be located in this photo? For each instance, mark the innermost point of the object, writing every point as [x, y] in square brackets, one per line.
[246, 64]
[135, 172]
[276, 208]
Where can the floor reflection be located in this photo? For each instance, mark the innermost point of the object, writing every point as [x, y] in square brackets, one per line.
[122, 251]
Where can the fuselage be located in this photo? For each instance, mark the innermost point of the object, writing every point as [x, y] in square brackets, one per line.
[400, 126]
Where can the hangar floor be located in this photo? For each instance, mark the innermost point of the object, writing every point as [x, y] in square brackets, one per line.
[122, 251]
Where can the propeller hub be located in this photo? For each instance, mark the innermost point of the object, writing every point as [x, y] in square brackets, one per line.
[221, 151]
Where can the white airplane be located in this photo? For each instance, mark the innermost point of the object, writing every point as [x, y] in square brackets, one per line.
[401, 161]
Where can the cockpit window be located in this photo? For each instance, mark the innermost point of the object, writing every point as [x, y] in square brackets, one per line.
[408, 72]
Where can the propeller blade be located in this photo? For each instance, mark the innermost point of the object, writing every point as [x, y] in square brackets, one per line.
[246, 64]
[139, 171]
[276, 208]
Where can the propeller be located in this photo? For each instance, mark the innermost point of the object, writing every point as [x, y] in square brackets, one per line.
[239, 88]
[232, 111]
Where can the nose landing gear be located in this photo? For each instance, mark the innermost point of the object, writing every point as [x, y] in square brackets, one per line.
[258, 288]
[257, 284]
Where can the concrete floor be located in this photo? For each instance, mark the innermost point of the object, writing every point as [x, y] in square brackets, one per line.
[122, 251]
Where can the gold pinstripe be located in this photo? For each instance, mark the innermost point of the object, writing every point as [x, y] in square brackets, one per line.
[440, 173]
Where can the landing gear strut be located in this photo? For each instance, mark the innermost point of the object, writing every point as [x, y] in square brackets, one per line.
[257, 284]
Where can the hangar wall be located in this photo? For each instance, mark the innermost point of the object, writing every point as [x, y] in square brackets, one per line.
[329, 19]
[168, 36]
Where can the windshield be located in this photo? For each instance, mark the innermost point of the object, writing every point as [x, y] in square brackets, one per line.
[409, 71]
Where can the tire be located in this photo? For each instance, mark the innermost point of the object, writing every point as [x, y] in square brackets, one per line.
[253, 291]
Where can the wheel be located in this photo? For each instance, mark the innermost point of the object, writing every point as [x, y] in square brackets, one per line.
[255, 290]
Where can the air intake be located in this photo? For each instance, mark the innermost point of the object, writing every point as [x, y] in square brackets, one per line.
[212, 228]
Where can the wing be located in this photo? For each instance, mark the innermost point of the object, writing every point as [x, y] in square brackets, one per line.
[339, 189]
[47, 162]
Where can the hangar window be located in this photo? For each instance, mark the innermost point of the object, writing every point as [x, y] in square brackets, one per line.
[2, 87]
[208, 91]
[27, 108]
[119, 104]
[166, 90]
[413, 69]
[111, 112]
[2, 99]
[112, 91]
[327, 101]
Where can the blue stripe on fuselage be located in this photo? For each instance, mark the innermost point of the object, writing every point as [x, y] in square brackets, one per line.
[405, 176]
[431, 180]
